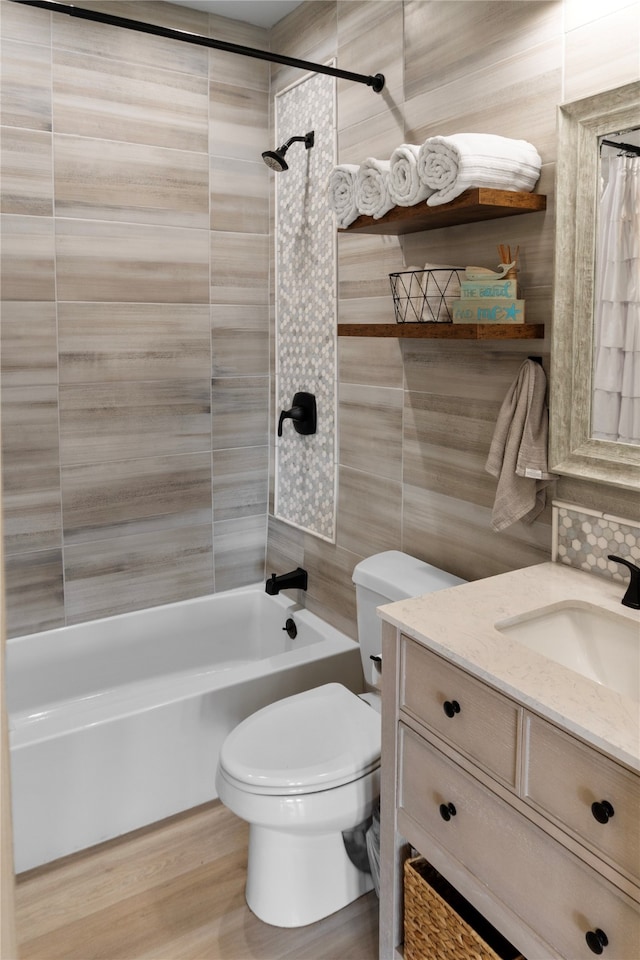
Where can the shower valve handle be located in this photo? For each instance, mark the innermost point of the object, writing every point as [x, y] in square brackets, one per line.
[303, 414]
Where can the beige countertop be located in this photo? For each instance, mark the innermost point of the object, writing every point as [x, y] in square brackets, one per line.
[458, 623]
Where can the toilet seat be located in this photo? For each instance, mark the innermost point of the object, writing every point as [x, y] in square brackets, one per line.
[312, 741]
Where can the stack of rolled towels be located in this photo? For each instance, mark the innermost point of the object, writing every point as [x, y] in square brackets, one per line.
[436, 172]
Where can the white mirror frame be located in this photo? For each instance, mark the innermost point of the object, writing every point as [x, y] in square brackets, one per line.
[572, 450]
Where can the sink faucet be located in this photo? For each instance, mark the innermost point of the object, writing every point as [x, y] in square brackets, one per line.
[632, 596]
[287, 581]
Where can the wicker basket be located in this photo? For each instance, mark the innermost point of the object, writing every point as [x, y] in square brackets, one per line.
[439, 924]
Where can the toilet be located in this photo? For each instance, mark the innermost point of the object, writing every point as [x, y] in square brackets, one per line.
[304, 772]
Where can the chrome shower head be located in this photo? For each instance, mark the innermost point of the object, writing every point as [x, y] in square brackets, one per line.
[275, 158]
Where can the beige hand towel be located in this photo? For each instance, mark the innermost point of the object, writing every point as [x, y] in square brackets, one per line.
[518, 452]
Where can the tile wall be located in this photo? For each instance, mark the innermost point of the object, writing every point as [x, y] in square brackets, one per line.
[135, 342]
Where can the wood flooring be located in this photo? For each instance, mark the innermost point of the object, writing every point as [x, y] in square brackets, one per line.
[173, 891]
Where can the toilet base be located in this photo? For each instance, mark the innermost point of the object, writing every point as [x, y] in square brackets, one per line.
[296, 879]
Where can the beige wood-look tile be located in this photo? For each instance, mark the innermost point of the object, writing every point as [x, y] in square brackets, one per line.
[240, 482]
[240, 268]
[26, 187]
[456, 536]
[330, 592]
[240, 340]
[28, 256]
[107, 577]
[577, 13]
[118, 421]
[286, 545]
[376, 137]
[239, 547]
[616, 37]
[230, 67]
[370, 41]
[369, 513]
[366, 309]
[446, 443]
[118, 100]
[30, 468]
[370, 429]
[436, 55]
[238, 121]
[239, 195]
[309, 32]
[34, 592]
[617, 501]
[146, 184]
[370, 360]
[25, 90]
[28, 346]
[239, 412]
[106, 500]
[470, 371]
[116, 43]
[133, 341]
[514, 97]
[26, 23]
[364, 265]
[126, 262]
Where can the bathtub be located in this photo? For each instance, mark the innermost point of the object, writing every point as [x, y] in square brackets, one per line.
[117, 723]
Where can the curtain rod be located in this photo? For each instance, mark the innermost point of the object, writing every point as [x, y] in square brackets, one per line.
[625, 147]
[376, 82]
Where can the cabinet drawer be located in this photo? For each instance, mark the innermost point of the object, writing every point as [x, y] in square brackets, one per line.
[554, 893]
[473, 718]
[565, 777]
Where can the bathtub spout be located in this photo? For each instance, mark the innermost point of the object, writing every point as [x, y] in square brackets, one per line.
[296, 579]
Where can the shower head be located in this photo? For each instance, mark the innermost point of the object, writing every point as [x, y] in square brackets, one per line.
[275, 158]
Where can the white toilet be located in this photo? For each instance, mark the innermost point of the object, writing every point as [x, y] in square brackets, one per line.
[306, 769]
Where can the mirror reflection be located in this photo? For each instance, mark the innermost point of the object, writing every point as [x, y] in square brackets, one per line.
[615, 411]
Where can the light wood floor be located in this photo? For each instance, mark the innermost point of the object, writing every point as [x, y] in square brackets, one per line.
[173, 891]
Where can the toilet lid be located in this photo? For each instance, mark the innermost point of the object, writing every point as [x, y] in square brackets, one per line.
[312, 741]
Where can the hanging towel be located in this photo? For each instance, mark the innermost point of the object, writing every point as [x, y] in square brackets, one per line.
[405, 186]
[341, 191]
[372, 188]
[518, 452]
[449, 165]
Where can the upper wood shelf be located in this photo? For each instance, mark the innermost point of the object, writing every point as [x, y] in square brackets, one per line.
[472, 206]
[445, 331]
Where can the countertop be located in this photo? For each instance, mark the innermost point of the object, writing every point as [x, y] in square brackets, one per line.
[458, 623]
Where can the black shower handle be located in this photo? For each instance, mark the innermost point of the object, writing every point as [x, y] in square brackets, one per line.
[303, 413]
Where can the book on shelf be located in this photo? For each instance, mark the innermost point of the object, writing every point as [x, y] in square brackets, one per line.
[494, 289]
[488, 310]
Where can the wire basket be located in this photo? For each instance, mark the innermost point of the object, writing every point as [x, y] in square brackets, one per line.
[425, 296]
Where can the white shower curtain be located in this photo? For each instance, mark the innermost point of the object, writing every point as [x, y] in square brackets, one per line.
[615, 413]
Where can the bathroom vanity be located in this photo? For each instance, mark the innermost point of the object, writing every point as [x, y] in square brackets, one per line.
[515, 775]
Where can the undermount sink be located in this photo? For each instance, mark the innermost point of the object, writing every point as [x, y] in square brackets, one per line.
[600, 645]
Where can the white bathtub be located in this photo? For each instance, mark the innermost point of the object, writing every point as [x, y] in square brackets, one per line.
[117, 723]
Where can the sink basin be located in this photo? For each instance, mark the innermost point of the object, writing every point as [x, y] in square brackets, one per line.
[596, 643]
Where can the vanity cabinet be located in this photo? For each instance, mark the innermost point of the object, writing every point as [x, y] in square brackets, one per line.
[499, 800]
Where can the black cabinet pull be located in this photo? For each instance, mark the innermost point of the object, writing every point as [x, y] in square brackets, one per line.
[451, 707]
[447, 810]
[602, 811]
[597, 940]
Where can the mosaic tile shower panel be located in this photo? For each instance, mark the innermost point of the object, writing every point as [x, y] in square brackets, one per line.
[305, 478]
[583, 538]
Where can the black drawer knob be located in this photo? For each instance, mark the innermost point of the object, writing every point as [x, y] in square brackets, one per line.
[602, 811]
[447, 810]
[451, 707]
[597, 940]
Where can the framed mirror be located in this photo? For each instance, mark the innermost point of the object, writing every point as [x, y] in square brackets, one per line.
[573, 449]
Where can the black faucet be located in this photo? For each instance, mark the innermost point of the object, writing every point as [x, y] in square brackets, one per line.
[632, 596]
[296, 579]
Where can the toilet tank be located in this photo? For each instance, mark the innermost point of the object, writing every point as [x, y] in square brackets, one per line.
[384, 578]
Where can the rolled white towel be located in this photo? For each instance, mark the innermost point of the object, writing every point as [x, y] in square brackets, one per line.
[341, 191]
[372, 188]
[405, 186]
[450, 165]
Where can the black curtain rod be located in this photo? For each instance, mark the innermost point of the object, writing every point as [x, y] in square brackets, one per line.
[376, 82]
[625, 147]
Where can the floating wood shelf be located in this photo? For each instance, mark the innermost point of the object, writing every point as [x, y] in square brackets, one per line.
[472, 206]
[444, 331]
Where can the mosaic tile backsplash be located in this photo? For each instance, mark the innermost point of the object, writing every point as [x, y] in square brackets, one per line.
[306, 307]
[583, 538]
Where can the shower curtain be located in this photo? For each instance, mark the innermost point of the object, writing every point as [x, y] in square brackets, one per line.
[615, 411]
